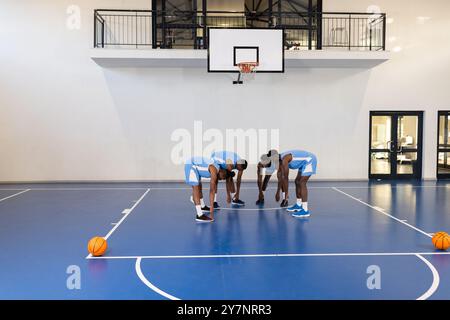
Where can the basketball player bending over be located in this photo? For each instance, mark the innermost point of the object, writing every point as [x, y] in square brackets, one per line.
[195, 169]
[306, 165]
[269, 163]
[230, 161]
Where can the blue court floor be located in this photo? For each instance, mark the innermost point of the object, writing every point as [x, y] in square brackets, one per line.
[157, 250]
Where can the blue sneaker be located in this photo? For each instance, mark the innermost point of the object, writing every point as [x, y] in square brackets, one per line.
[294, 208]
[301, 214]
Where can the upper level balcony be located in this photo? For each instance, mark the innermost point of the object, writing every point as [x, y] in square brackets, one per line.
[312, 39]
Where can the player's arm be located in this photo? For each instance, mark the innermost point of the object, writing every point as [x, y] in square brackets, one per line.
[279, 186]
[229, 185]
[260, 182]
[259, 177]
[266, 182]
[284, 176]
[213, 188]
[238, 183]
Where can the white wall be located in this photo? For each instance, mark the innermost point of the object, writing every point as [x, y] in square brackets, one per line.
[62, 117]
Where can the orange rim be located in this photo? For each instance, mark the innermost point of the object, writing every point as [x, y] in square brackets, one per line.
[247, 67]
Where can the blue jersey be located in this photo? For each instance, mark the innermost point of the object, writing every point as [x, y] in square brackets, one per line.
[222, 158]
[197, 168]
[304, 161]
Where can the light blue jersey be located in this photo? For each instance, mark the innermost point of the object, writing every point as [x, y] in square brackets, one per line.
[224, 157]
[197, 168]
[303, 161]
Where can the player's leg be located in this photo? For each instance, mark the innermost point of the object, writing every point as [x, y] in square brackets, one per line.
[304, 191]
[205, 208]
[303, 194]
[262, 189]
[192, 178]
[281, 187]
[298, 191]
[234, 196]
[240, 171]
[202, 202]
[197, 197]
[216, 204]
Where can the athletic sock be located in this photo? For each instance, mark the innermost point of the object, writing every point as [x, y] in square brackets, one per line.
[202, 203]
[283, 196]
[215, 197]
[232, 196]
[299, 202]
[305, 206]
[199, 211]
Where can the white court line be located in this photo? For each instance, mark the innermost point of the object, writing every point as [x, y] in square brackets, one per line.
[383, 212]
[436, 279]
[313, 187]
[242, 188]
[80, 189]
[250, 209]
[137, 188]
[14, 195]
[426, 295]
[149, 284]
[123, 218]
[278, 255]
[126, 215]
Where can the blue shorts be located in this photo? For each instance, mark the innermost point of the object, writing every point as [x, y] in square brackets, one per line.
[309, 168]
[192, 176]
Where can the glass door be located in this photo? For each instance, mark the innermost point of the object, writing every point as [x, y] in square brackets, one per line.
[395, 145]
[443, 161]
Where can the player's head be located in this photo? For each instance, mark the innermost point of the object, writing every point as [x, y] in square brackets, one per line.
[273, 154]
[241, 165]
[225, 174]
[267, 160]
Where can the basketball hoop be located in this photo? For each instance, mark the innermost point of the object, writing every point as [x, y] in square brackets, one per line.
[245, 68]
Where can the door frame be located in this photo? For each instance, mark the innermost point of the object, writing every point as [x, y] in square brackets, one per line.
[441, 176]
[394, 136]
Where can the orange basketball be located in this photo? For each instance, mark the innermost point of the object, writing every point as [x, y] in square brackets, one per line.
[97, 246]
[438, 235]
[442, 241]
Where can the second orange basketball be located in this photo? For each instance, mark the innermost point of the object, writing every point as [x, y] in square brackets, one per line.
[441, 241]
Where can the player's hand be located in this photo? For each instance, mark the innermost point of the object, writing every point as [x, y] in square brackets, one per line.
[277, 196]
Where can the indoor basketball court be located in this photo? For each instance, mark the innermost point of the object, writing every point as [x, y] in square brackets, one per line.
[225, 150]
[157, 252]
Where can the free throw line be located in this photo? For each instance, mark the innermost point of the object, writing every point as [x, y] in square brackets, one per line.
[276, 255]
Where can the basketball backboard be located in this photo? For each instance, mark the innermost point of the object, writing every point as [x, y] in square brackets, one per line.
[228, 47]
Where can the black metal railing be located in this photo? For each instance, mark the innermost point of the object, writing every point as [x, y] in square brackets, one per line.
[188, 29]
